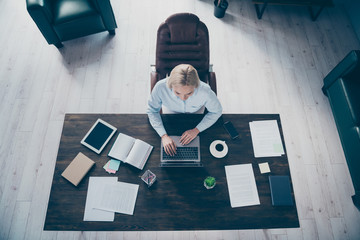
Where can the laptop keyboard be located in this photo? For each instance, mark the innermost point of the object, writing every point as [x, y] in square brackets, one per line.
[190, 153]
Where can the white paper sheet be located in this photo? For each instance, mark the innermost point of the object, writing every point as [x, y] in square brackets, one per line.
[241, 185]
[96, 185]
[139, 154]
[266, 140]
[118, 197]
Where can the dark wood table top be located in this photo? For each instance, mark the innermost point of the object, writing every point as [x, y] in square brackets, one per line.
[177, 200]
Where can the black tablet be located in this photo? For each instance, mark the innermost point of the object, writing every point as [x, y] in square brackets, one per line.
[98, 136]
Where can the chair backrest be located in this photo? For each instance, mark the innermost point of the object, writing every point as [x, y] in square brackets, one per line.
[182, 38]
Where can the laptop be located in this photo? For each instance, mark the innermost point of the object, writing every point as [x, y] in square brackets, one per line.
[186, 155]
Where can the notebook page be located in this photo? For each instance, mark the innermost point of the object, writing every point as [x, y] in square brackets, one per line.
[122, 146]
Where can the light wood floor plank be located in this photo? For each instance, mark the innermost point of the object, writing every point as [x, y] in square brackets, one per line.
[339, 228]
[309, 229]
[11, 177]
[346, 190]
[9, 139]
[42, 182]
[321, 214]
[324, 166]
[19, 219]
[33, 157]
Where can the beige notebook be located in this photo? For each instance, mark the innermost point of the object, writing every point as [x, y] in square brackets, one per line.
[78, 168]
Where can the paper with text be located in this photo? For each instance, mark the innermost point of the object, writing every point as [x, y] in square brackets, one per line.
[266, 140]
[119, 197]
[241, 185]
[93, 198]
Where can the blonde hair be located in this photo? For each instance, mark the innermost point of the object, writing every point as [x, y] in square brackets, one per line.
[183, 75]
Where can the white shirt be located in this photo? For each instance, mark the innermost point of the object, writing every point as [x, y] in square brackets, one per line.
[161, 95]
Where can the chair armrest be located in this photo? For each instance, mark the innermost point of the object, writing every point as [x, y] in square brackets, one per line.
[40, 12]
[154, 78]
[340, 70]
[106, 13]
[212, 81]
[211, 67]
[40, 5]
[356, 199]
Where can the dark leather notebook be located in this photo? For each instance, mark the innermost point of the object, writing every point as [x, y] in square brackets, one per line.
[280, 191]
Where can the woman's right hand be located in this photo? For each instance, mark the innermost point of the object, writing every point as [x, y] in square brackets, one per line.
[169, 145]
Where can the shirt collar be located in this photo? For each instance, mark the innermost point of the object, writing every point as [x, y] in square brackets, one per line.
[176, 97]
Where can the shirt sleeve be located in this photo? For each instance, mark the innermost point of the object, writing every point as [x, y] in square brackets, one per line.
[153, 111]
[214, 108]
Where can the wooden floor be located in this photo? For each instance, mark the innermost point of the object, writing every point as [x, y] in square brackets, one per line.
[273, 65]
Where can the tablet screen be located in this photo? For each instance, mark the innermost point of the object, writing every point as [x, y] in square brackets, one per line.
[98, 136]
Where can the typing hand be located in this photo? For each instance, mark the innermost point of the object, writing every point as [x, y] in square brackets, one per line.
[169, 145]
[188, 136]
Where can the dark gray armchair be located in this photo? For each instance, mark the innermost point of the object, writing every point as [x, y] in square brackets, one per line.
[342, 87]
[62, 20]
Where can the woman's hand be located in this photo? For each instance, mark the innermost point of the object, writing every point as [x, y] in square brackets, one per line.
[188, 136]
[169, 145]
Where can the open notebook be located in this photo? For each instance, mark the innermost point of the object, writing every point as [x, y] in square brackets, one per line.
[130, 150]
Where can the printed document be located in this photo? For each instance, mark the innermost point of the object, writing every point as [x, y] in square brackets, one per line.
[266, 140]
[241, 185]
[96, 184]
[118, 197]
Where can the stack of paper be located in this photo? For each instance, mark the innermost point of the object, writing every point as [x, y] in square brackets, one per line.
[266, 140]
[106, 196]
[112, 166]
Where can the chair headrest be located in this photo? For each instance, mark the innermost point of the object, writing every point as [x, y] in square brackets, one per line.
[183, 27]
[182, 38]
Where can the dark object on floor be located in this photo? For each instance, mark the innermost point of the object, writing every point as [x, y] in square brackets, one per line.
[319, 5]
[220, 7]
[62, 20]
[342, 87]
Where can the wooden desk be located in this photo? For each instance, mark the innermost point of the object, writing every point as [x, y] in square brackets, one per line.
[320, 4]
[178, 200]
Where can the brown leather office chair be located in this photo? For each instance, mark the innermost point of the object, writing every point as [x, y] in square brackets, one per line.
[183, 38]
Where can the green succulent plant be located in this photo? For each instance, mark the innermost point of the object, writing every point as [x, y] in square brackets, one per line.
[210, 181]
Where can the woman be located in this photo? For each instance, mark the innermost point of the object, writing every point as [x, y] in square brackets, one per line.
[182, 92]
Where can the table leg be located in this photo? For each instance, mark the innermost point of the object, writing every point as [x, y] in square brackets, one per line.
[259, 11]
[313, 15]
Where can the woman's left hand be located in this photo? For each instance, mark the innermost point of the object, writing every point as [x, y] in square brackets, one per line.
[188, 136]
